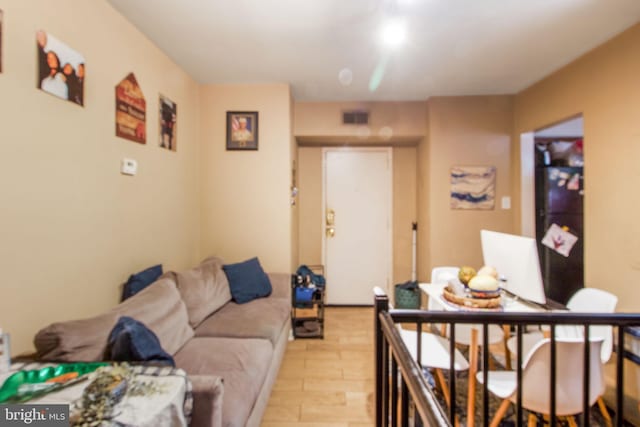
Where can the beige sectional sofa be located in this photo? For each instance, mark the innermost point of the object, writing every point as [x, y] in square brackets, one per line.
[232, 352]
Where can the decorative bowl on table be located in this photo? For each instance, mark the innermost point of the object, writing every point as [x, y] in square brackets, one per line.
[484, 294]
[466, 298]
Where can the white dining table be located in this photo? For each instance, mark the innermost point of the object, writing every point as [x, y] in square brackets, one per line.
[509, 304]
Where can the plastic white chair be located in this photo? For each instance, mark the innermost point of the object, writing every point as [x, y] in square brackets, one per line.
[435, 354]
[466, 334]
[444, 274]
[441, 275]
[586, 300]
[536, 374]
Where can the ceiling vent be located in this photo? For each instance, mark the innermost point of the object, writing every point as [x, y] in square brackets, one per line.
[356, 117]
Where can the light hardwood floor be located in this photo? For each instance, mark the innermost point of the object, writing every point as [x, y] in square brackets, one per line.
[329, 382]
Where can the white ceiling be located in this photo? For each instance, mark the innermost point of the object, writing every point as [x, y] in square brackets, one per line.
[453, 47]
[570, 128]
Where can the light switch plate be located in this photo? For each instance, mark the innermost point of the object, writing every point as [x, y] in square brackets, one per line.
[506, 202]
[129, 167]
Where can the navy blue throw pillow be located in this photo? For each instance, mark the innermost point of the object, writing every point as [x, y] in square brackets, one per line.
[139, 281]
[247, 280]
[132, 341]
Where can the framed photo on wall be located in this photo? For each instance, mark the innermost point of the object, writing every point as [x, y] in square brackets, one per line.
[61, 69]
[131, 110]
[168, 119]
[242, 130]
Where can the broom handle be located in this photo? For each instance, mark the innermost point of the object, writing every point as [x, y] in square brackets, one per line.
[414, 227]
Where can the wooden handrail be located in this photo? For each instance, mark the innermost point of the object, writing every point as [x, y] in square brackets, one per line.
[392, 356]
[421, 394]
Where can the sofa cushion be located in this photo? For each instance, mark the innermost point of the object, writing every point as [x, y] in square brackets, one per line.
[204, 289]
[159, 307]
[141, 280]
[247, 280]
[162, 310]
[242, 363]
[260, 318]
[83, 340]
[132, 341]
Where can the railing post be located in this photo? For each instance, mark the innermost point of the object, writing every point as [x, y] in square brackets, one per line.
[381, 303]
[552, 382]
[586, 376]
[620, 378]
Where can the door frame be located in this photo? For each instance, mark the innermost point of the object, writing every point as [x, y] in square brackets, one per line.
[389, 152]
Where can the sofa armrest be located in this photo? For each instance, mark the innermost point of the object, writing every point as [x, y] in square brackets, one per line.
[207, 400]
[281, 284]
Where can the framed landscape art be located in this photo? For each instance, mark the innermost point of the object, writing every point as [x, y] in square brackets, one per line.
[473, 187]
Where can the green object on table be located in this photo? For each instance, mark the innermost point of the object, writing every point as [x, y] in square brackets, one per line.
[407, 296]
[10, 387]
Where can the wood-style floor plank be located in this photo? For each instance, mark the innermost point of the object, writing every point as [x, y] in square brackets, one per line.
[329, 382]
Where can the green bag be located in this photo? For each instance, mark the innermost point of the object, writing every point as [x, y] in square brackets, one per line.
[407, 296]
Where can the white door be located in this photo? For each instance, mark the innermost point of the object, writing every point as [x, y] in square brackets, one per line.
[357, 223]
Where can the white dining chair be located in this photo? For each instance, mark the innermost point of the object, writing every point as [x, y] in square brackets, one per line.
[434, 354]
[536, 374]
[586, 300]
[442, 275]
[470, 335]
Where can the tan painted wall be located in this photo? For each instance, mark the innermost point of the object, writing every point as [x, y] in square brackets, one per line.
[604, 85]
[423, 205]
[295, 209]
[310, 205]
[404, 207]
[324, 119]
[472, 131]
[404, 210]
[246, 208]
[71, 227]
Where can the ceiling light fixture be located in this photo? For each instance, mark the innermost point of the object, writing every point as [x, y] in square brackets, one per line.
[394, 33]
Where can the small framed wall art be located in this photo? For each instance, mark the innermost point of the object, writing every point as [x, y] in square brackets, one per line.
[242, 130]
[131, 111]
[61, 70]
[473, 187]
[168, 118]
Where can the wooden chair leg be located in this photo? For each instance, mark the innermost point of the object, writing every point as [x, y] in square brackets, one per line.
[445, 392]
[473, 368]
[532, 420]
[443, 386]
[499, 413]
[572, 421]
[604, 412]
[507, 354]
